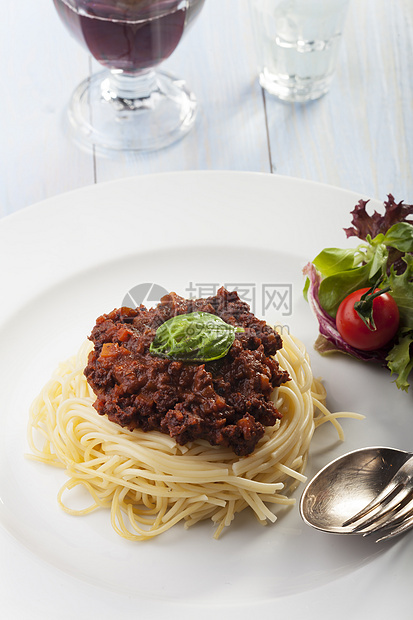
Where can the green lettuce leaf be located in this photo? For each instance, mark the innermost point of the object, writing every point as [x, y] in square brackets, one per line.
[401, 289]
[335, 288]
[333, 260]
[400, 359]
[378, 262]
[400, 236]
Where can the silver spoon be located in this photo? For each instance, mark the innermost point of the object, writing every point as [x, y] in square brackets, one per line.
[346, 486]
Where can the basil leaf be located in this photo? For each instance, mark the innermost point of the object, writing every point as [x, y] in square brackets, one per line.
[197, 337]
[400, 236]
[334, 260]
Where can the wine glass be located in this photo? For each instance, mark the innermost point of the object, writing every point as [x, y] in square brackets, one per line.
[130, 105]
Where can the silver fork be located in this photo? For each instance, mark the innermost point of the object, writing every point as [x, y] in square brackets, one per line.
[405, 525]
[391, 509]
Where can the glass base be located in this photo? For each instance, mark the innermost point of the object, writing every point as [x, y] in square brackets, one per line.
[115, 111]
[293, 88]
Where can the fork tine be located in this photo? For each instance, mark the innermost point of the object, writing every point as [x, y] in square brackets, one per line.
[404, 526]
[402, 477]
[385, 495]
[373, 521]
[399, 517]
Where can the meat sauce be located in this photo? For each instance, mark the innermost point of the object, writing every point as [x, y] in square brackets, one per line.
[225, 402]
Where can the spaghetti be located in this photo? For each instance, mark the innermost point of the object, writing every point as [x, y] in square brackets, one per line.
[149, 482]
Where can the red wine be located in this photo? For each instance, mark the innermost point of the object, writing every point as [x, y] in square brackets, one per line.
[128, 34]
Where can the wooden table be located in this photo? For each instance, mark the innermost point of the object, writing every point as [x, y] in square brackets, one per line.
[359, 136]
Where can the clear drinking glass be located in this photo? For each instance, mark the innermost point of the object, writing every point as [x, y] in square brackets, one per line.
[130, 105]
[297, 45]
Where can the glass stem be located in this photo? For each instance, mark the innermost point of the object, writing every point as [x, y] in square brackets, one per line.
[127, 87]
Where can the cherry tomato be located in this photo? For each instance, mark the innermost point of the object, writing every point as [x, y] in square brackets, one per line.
[356, 333]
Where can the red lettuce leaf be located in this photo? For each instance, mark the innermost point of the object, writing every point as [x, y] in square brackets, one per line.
[365, 224]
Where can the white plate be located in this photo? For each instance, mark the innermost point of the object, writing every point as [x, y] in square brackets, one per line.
[71, 258]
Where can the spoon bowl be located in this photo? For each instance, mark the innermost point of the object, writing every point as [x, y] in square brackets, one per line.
[346, 485]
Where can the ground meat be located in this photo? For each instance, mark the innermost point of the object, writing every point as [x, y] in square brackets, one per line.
[226, 401]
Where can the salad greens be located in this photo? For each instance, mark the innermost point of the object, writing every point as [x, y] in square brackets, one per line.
[195, 337]
[384, 260]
